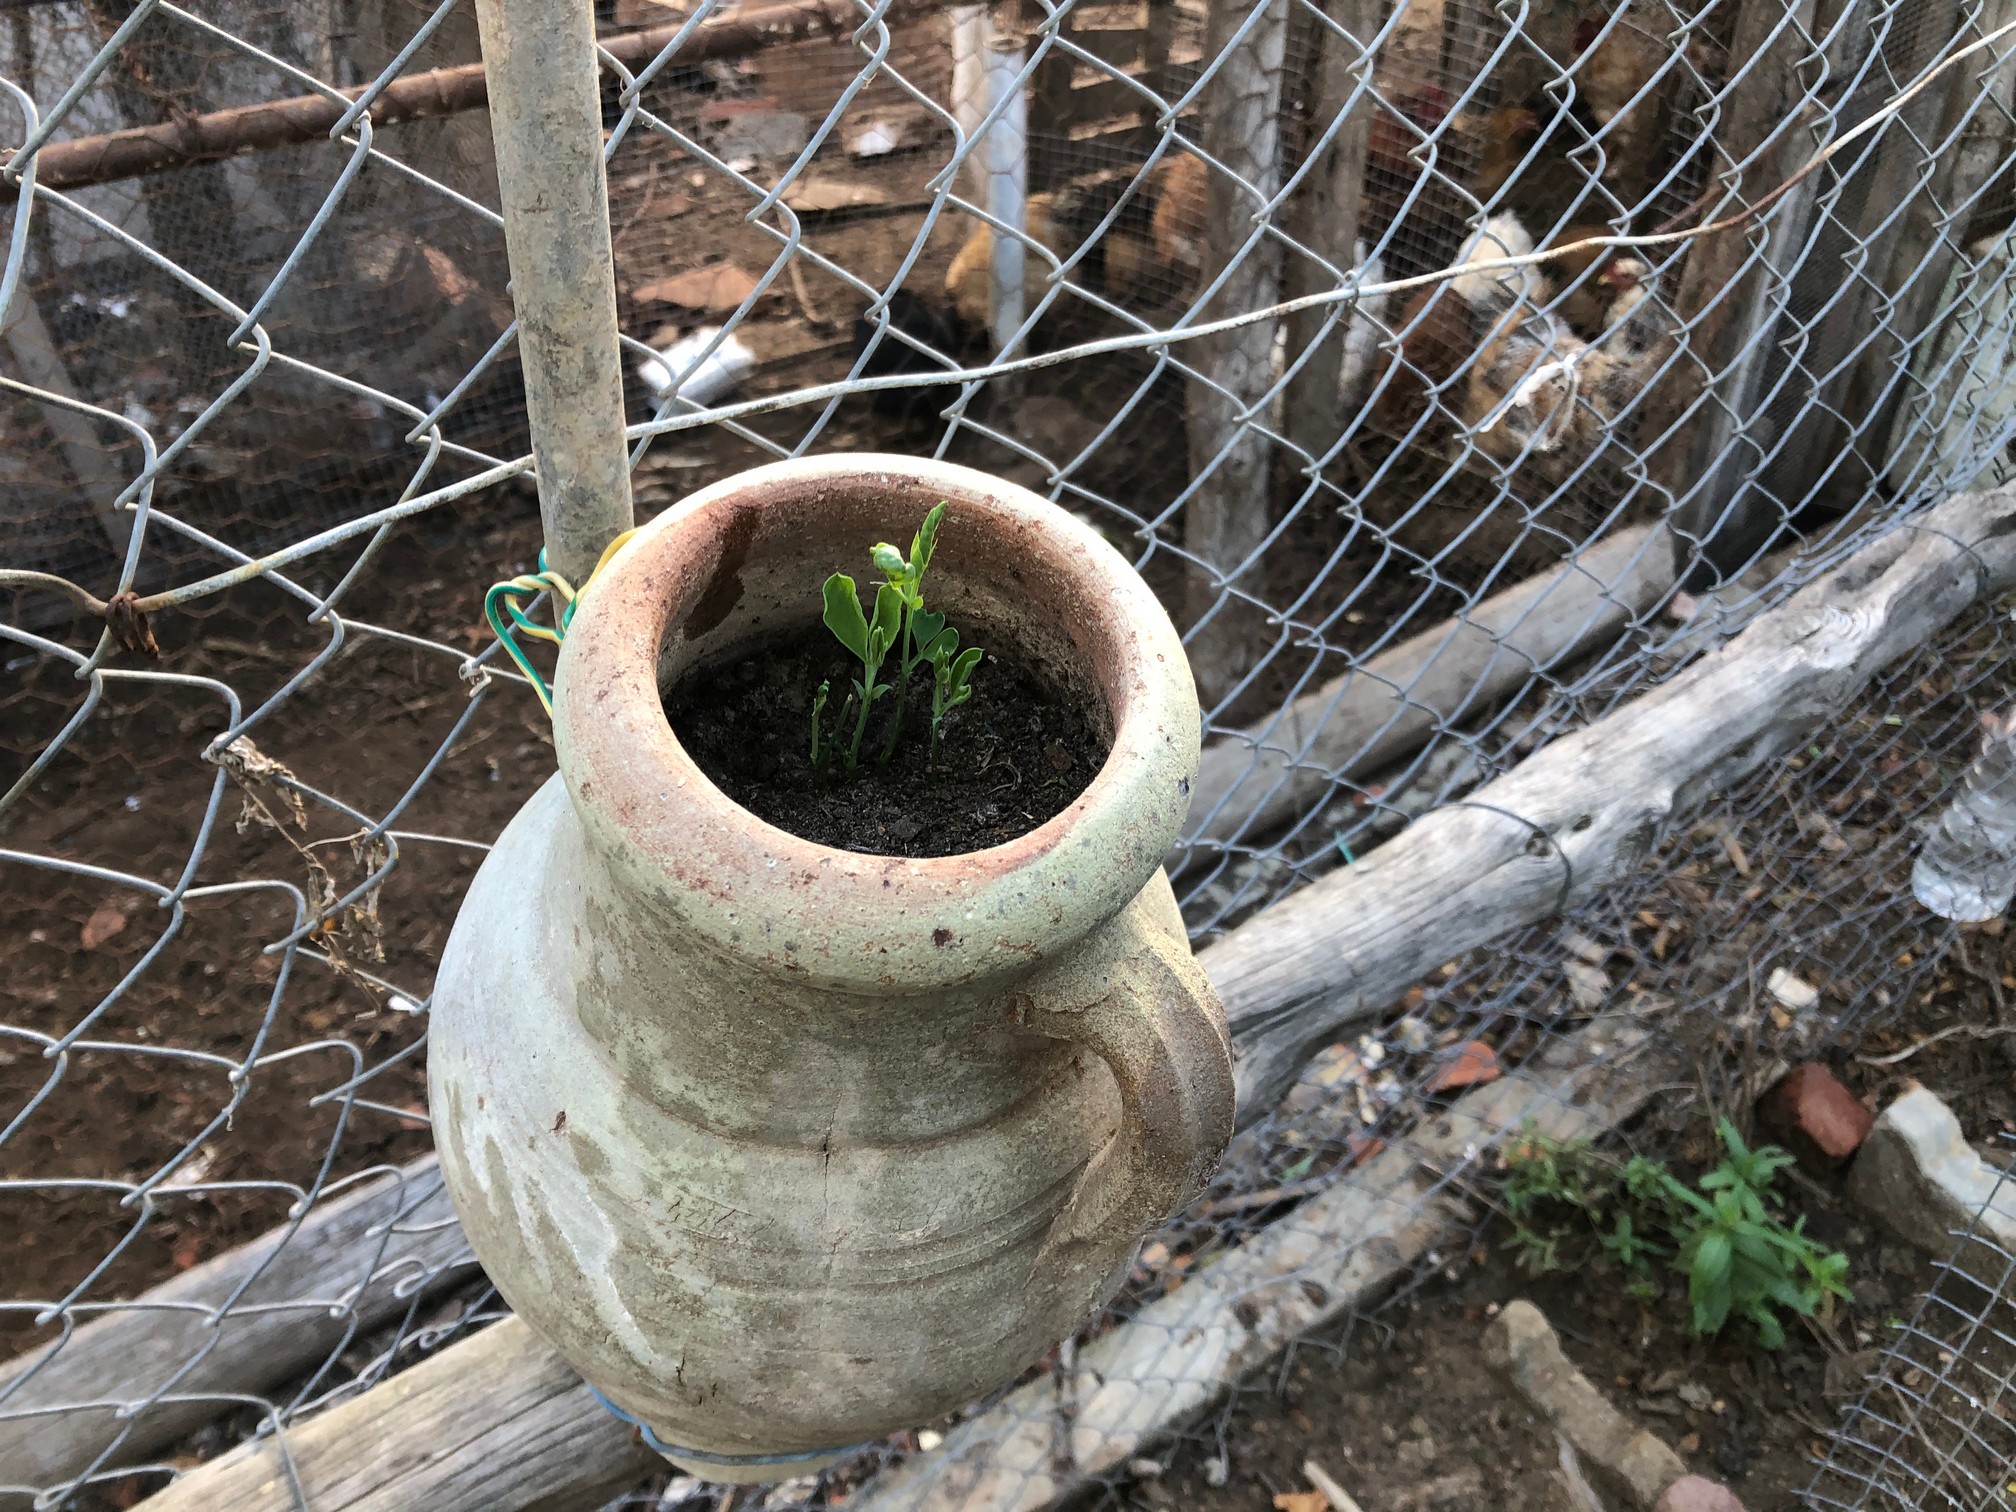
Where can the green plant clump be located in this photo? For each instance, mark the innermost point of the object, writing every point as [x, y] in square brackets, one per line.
[899, 623]
[1742, 1260]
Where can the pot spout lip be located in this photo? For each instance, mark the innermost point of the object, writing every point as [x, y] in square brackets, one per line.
[844, 919]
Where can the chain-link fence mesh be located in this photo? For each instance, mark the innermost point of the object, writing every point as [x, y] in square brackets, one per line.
[266, 448]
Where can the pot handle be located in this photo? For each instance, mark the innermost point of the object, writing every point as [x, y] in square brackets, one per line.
[1158, 1032]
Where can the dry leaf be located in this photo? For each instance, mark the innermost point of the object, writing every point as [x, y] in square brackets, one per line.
[106, 922]
[812, 195]
[717, 289]
[1302, 1501]
[1360, 1147]
[1473, 1064]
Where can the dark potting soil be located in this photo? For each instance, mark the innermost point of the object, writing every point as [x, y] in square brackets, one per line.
[1012, 756]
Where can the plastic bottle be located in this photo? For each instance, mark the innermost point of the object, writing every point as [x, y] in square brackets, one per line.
[1967, 869]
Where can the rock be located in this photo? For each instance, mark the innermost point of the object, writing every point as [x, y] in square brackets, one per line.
[1919, 1176]
[1697, 1493]
[1795, 993]
[1815, 1110]
[1622, 1460]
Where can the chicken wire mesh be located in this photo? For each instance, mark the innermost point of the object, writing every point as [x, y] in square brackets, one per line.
[265, 423]
[1932, 1428]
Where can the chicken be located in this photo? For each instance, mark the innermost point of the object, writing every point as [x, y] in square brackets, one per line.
[968, 282]
[1518, 394]
[1540, 393]
[1575, 281]
[1635, 323]
[1441, 326]
[928, 324]
[1180, 189]
[1123, 260]
[1526, 388]
[1501, 142]
[1398, 186]
[1617, 59]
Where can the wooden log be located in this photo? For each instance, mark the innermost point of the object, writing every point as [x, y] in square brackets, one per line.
[1229, 511]
[1323, 216]
[1928, 243]
[294, 1294]
[1570, 822]
[494, 1423]
[1255, 782]
[1706, 396]
[437, 92]
[1136, 1385]
[1579, 816]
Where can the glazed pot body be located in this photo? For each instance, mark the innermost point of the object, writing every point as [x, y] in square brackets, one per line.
[785, 1147]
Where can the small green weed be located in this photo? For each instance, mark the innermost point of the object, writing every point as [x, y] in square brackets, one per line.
[1569, 1202]
[900, 624]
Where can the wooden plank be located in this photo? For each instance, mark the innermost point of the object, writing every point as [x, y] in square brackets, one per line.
[1050, 115]
[1229, 513]
[1120, 48]
[1257, 781]
[1135, 1386]
[1569, 823]
[1104, 99]
[60, 1407]
[1927, 247]
[1323, 216]
[92, 463]
[1156, 46]
[1705, 395]
[1579, 816]
[495, 1423]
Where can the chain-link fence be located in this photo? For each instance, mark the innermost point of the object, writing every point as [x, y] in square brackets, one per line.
[1454, 374]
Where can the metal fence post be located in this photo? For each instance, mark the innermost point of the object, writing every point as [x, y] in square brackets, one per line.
[1004, 151]
[546, 117]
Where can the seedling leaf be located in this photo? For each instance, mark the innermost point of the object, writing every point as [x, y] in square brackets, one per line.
[843, 614]
[925, 541]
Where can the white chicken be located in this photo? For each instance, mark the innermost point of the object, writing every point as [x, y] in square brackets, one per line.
[1536, 390]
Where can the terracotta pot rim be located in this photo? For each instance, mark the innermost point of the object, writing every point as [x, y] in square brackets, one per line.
[843, 917]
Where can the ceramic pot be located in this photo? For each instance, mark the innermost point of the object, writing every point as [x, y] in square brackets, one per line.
[785, 1147]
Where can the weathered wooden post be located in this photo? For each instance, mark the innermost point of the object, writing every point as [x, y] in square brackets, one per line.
[546, 118]
[1228, 514]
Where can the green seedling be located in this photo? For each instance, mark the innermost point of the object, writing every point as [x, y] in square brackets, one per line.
[869, 640]
[818, 710]
[1741, 1260]
[906, 575]
[902, 625]
[951, 683]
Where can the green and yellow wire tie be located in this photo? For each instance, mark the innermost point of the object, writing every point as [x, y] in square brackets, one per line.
[501, 609]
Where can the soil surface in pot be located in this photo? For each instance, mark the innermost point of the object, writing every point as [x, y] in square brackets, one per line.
[1009, 758]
